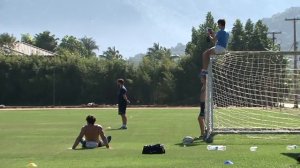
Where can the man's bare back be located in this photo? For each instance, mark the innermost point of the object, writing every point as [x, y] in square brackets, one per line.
[92, 134]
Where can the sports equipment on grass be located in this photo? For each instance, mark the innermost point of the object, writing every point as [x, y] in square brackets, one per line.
[187, 140]
[154, 149]
[253, 92]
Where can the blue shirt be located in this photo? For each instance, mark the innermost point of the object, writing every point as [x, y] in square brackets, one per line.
[222, 38]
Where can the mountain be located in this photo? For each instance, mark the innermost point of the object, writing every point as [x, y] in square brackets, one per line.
[136, 59]
[277, 23]
[178, 50]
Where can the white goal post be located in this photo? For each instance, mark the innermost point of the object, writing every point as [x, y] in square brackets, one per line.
[253, 92]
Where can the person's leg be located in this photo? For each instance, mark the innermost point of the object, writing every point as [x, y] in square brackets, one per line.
[123, 116]
[101, 142]
[122, 113]
[201, 119]
[205, 58]
[124, 121]
[83, 143]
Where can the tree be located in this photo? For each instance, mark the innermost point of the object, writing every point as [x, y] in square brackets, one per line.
[27, 38]
[256, 36]
[248, 35]
[7, 40]
[157, 52]
[237, 42]
[156, 77]
[260, 37]
[187, 84]
[198, 43]
[46, 41]
[111, 53]
[72, 45]
[90, 45]
[156, 47]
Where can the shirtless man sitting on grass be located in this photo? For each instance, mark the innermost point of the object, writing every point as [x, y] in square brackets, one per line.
[90, 134]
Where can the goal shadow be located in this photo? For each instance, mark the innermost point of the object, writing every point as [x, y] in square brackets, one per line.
[295, 156]
[195, 143]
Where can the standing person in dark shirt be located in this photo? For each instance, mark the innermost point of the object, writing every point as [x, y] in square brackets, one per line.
[122, 103]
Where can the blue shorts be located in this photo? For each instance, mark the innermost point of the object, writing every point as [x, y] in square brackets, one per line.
[202, 109]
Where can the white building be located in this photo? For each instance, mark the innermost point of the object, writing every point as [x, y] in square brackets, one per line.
[21, 48]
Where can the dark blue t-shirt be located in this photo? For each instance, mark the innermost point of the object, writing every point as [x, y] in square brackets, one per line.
[121, 99]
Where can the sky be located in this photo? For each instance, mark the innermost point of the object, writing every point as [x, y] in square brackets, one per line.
[132, 26]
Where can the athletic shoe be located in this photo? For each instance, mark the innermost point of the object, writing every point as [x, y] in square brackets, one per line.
[205, 135]
[123, 127]
[108, 139]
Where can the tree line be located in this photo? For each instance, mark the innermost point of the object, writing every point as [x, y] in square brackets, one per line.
[76, 75]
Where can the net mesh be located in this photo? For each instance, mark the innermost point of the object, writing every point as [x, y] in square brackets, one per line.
[254, 92]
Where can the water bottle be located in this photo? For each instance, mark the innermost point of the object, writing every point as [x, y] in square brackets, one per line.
[253, 148]
[216, 147]
[291, 147]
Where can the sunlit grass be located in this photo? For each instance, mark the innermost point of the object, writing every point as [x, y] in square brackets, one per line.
[44, 136]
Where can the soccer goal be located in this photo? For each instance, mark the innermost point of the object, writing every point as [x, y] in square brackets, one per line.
[253, 92]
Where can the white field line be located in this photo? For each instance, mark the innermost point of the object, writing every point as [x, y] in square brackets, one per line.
[96, 108]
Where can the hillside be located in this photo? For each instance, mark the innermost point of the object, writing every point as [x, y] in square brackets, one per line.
[277, 23]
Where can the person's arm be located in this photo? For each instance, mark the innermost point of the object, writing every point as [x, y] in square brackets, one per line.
[126, 98]
[212, 36]
[80, 136]
[103, 137]
[202, 94]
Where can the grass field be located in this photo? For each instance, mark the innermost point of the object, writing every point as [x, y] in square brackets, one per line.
[44, 136]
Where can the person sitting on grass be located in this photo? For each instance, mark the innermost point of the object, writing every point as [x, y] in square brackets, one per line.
[90, 134]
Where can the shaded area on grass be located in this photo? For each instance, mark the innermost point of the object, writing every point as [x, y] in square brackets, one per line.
[295, 156]
[115, 129]
[195, 143]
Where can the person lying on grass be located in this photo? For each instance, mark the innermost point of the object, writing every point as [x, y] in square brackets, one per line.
[90, 134]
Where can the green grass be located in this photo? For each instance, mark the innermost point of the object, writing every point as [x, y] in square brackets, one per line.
[44, 136]
[257, 117]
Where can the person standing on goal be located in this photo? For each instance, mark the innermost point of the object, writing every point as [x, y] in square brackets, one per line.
[122, 102]
[221, 41]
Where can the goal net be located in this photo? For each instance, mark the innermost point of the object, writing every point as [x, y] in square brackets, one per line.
[253, 92]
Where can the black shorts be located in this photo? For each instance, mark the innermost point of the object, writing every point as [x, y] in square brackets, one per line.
[122, 109]
[202, 109]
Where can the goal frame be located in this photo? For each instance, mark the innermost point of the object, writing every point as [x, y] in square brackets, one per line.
[209, 102]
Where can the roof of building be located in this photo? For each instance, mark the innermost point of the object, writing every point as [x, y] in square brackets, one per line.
[21, 48]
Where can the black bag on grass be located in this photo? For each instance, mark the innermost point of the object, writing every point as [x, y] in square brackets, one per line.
[154, 149]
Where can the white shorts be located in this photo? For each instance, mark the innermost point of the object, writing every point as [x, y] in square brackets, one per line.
[91, 144]
[219, 49]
